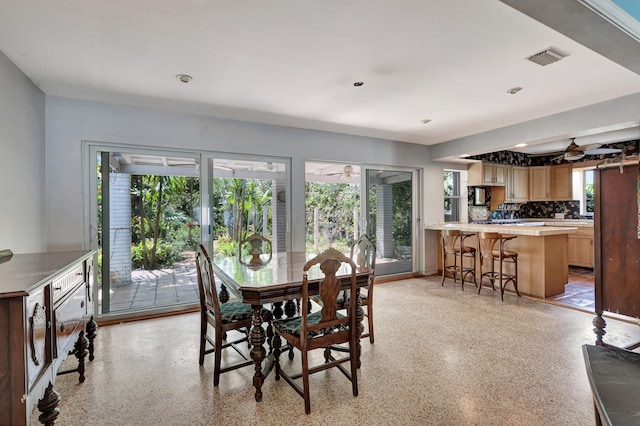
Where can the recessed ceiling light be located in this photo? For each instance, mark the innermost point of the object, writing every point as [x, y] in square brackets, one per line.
[514, 90]
[521, 145]
[425, 121]
[358, 83]
[184, 78]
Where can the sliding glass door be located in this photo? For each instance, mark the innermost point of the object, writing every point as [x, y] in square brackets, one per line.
[388, 212]
[392, 218]
[148, 229]
[149, 209]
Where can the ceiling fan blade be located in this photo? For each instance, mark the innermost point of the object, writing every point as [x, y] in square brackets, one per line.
[598, 151]
[561, 156]
[545, 154]
[588, 147]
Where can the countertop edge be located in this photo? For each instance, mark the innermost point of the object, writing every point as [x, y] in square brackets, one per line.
[533, 231]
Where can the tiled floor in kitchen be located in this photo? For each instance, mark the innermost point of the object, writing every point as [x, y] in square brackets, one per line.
[579, 291]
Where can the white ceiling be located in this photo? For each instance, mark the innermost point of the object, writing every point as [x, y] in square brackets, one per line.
[294, 62]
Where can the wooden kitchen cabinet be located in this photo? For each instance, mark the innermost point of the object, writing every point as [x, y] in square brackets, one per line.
[517, 187]
[561, 182]
[45, 315]
[539, 183]
[487, 174]
[580, 250]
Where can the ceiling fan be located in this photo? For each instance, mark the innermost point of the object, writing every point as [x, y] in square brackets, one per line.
[574, 152]
[347, 172]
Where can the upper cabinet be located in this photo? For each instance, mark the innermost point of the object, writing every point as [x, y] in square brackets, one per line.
[561, 182]
[517, 188]
[523, 184]
[550, 183]
[487, 174]
[539, 183]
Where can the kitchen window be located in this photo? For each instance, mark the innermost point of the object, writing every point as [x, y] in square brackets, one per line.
[451, 196]
[583, 190]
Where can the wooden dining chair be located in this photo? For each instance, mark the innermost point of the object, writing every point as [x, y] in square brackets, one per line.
[321, 329]
[453, 243]
[255, 245]
[230, 316]
[491, 246]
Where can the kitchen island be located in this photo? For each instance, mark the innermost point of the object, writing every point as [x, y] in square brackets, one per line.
[542, 253]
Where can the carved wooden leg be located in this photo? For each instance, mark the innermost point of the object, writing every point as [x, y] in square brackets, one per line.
[444, 266]
[80, 351]
[359, 324]
[277, 343]
[224, 294]
[269, 320]
[327, 354]
[223, 297]
[290, 308]
[258, 352]
[599, 325]
[277, 310]
[48, 406]
[91, 328]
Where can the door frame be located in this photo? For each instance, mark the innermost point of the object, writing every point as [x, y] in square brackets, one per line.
[417, 238]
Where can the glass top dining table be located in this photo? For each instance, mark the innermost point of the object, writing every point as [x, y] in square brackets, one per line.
[276, 282]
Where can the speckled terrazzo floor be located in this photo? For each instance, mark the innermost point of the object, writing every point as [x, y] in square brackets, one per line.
[442, 357]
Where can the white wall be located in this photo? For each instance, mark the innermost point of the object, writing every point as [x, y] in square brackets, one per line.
[71, 121]
[22, 162]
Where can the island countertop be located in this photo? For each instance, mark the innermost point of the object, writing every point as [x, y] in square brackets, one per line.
[542, 252]
[523, 228]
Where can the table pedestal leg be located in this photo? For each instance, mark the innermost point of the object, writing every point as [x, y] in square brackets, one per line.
[599, 325]
[257, 339]
[359, 324]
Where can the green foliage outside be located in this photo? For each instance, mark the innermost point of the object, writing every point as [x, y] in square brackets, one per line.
[335, 204]
[402, 214]
[164, 222]
[448, 191]
[237, 211]
[590, 197]
[162, 226]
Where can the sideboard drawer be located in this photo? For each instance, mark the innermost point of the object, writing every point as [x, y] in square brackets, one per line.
[66, 282]
[68, 317]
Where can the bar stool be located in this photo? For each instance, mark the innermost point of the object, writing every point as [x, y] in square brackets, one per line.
[453, 244]
[487, 242]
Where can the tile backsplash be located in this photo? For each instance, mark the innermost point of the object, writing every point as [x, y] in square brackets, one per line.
[533, 209]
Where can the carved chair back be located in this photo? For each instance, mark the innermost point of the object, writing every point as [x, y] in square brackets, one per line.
[209, 303]
[331, 328]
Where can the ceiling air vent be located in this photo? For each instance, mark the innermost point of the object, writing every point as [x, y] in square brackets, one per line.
[547, 56]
